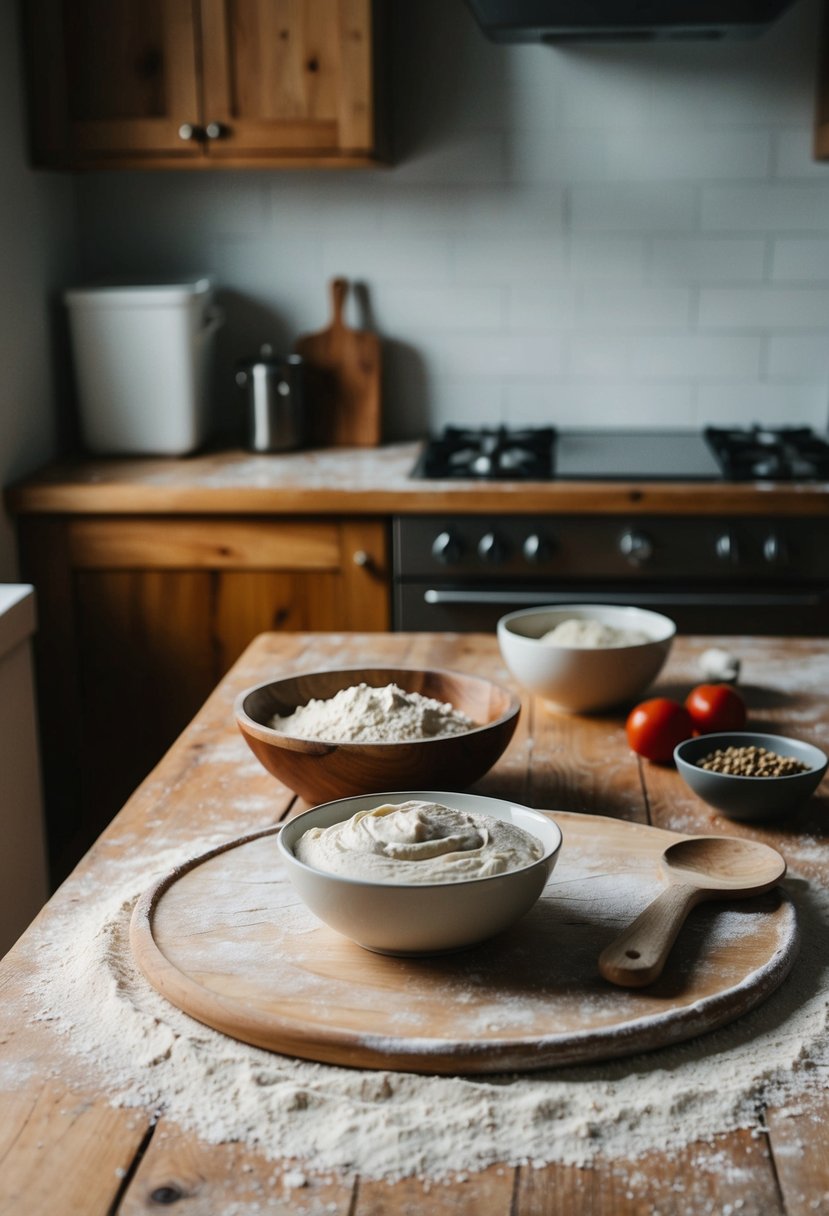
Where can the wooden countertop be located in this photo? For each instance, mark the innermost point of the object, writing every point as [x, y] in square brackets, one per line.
[65, 1149]
[369, 481]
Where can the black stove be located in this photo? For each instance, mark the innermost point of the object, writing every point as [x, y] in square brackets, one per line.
[711, 572]
[498, 454]
[502, 453]
[770, 454]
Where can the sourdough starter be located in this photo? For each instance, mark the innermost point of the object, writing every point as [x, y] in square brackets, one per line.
[418, 842]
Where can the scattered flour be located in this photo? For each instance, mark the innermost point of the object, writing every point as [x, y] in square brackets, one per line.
[117, 1031]
[362, 714]
[576, 633]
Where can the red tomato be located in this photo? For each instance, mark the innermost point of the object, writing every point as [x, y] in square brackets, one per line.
[655, 727]
[715, 707]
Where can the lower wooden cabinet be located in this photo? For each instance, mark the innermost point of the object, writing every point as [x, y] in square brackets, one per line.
[139, 617]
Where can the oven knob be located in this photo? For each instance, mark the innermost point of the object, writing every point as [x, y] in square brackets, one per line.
[490, 549]
[774, 550]
[636, 547]
[535, 548]
[446, 548]
[725, 547]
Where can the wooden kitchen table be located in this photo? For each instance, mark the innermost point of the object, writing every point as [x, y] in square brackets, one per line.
[65, 1149]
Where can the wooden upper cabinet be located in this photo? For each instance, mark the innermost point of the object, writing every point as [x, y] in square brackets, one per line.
[202, 83]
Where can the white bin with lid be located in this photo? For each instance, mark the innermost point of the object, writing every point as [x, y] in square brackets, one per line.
[142, 362]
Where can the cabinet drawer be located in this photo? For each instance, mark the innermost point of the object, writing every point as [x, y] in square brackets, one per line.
[194, 544]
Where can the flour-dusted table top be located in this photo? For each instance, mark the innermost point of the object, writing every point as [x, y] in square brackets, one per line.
[66, 1148]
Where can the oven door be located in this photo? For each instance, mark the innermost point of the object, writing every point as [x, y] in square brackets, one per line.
[789, 610]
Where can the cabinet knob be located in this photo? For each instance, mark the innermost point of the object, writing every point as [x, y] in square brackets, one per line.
[361, 558]
[636, 547]
[188, 132]
[215, 130]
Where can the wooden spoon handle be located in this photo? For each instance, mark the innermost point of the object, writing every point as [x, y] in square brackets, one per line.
[637, 956]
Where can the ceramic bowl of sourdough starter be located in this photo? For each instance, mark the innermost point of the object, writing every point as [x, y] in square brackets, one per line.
[319, 769]
[425, 917]
[582, 673]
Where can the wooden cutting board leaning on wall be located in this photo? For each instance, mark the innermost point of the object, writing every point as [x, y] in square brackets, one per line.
[342, 385]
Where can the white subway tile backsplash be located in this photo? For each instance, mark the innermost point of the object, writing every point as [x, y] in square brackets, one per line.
[793, 155]
[633, 307]
[771, 208]
[541, 308]
[798, 355]
[687, 154]
[416, 259]
[636, 88]
[707, 260]
[298, 207]
[763, 308]
[596, 256]
[535, 154]
[493, 260]
[416, 401]
[593, 355]
[497, 354]
[425, 309]
[696, 356]
[457, 158]
[627, 207]
[508, 212]
[418, 211]
[802, 261]
[792, 404]
[602, 403]
[272, 292]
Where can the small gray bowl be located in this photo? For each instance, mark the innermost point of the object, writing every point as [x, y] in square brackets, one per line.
[750, 798]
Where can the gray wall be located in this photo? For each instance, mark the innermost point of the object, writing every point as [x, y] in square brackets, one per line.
[37, 250]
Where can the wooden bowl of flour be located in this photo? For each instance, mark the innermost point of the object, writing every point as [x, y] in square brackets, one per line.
[320, 769]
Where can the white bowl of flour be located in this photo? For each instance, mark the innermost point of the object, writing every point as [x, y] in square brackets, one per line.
[585, 657]
[419, 871]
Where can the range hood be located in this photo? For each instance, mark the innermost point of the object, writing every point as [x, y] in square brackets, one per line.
[563, 21]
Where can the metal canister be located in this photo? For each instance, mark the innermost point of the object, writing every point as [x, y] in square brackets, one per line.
[272, 386]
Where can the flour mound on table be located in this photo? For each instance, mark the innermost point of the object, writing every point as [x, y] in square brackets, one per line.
[116, 1029]
[363, 714]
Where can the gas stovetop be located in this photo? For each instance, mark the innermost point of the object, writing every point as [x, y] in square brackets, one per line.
[543, 454]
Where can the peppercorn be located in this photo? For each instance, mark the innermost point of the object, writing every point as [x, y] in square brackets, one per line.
[751, 762]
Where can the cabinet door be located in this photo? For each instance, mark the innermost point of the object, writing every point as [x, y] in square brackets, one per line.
[140, 618]
[112, 78]
[289, 76]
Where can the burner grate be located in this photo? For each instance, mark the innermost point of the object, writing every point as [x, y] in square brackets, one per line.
[770, 454]
[489, 454]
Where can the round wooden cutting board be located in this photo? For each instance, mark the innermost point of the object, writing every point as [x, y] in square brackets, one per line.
[226, 939]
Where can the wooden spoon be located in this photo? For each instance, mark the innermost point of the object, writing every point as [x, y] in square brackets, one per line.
[697, 868]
